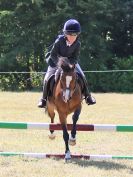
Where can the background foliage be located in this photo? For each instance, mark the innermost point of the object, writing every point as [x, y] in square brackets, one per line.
[28, 27]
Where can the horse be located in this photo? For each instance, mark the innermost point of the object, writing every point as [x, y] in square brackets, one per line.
[66, 99]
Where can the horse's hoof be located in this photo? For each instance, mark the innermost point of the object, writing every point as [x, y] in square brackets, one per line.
[67, 160]
[67, 156]
[52, 136]
[72, 141]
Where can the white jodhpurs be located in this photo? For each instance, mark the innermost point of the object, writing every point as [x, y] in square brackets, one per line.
[79, 70]
[49, 72]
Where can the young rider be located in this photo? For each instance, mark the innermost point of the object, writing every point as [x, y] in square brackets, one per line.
[68, 46]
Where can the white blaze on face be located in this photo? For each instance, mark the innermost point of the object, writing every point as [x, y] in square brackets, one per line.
[68, 80]
[67, 93]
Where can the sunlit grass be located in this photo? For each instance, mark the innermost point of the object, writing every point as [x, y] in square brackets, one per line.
[110, 109]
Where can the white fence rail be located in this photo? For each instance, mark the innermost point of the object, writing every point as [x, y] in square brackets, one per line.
[100, 71]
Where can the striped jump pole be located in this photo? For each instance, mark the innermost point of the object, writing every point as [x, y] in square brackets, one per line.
[54, 126]
[62, 156]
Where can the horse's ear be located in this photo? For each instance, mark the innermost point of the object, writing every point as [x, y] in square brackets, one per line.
[72, 66]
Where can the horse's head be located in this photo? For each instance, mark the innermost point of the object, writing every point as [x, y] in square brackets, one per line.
[65, 65]
[67, 78]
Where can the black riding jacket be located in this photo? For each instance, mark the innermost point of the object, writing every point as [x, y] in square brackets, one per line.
[61, 49]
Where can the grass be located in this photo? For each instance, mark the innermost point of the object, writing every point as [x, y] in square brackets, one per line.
[111, 108]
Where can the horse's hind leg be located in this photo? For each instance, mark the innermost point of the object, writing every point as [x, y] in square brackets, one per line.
[75, 117]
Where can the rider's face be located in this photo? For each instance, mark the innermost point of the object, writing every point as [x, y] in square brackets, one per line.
[71, 38]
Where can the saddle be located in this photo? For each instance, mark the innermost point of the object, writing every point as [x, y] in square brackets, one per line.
[53, 79]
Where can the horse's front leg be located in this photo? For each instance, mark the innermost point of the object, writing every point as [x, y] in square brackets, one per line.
[75, 117]
[65, 137]
[51, 115]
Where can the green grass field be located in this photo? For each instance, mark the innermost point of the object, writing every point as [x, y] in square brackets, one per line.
[111, 108]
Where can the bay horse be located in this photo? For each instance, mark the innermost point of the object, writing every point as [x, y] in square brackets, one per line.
[66, 99]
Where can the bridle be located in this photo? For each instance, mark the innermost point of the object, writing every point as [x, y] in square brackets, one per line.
[67, 91]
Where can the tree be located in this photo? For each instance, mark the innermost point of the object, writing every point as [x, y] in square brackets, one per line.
[28, 27]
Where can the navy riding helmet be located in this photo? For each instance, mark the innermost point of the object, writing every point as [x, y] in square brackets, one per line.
[72, 27]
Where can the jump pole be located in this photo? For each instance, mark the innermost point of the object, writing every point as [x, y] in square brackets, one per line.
[77, 156]
[54, 126]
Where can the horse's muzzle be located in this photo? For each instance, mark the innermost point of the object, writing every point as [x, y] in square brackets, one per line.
[66, 95]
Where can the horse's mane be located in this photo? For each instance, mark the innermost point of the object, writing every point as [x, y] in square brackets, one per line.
[65, 64]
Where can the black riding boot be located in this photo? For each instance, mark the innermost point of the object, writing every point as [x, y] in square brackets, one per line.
[43, 100]
[90, 100]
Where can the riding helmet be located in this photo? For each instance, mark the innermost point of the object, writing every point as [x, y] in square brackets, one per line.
[72, 26]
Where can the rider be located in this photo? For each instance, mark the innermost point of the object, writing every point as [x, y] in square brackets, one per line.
[66, 45]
